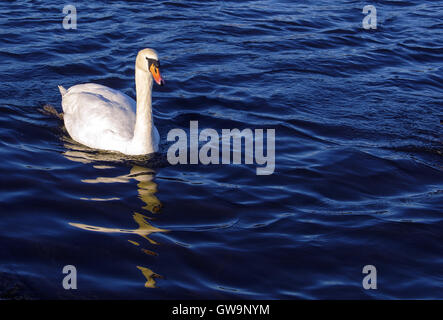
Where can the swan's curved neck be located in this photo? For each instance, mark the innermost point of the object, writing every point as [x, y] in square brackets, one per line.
[143, 137]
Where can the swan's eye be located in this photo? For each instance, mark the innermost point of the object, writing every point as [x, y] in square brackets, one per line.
[152, 62]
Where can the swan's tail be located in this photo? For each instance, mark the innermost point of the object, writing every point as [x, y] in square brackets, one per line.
[62, 90]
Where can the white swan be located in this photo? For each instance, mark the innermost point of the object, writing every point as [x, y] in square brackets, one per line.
[103, 118]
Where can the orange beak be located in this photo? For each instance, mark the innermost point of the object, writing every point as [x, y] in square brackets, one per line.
[156, 75]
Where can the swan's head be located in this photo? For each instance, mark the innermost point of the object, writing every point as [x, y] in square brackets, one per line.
[147, 60]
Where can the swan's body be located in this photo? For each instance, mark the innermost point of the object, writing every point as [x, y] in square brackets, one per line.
[103, 118]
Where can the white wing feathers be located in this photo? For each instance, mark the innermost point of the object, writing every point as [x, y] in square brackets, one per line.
[98, 116]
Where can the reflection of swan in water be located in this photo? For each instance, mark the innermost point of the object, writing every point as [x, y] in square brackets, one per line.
[146, 188]
[144, 228]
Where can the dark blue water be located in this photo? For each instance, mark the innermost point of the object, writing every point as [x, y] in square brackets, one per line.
[359, 170]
